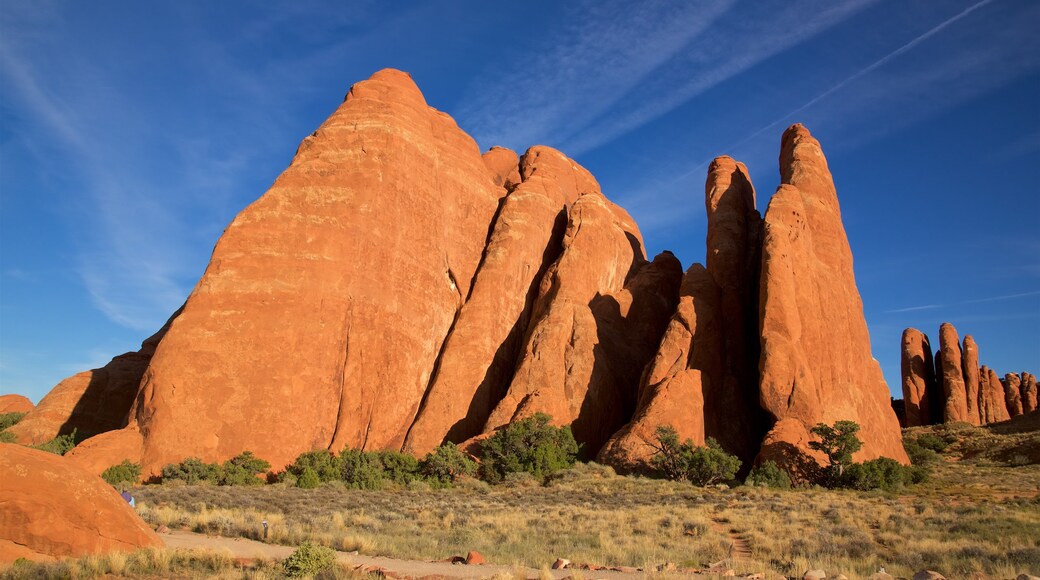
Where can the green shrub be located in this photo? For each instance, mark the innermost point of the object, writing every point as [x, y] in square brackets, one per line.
[60, 445]
[400, 468]
[446, 464]
[768, 474]
[933, 442]
[530, 445]
[838, 443]
[882, 473]
[325, 465]
[309, 559]
[362, 469]
[192, 471]
[243, 470]
[919, 454]
[6, 437]
[126, 473]
[684, 461]
[10, 419]
[308, 479]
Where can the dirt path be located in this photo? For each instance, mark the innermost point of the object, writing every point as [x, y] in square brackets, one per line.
[739, 549]
[243, 548]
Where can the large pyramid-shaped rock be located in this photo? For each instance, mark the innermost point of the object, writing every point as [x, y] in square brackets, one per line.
[328, 300]
[816, 364]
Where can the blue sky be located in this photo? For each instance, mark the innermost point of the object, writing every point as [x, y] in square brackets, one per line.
[132, 133]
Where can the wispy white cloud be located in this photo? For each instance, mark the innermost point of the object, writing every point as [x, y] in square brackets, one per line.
[999, 298]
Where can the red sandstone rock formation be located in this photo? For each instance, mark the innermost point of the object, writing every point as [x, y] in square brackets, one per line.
[584, 352]
[49, 508]
[671, 389]
[816, 365]
[1027, 390]
[479, 356]
[1013, 394]
[970, 371]
[15, 404]
[328, 300]
[992, 407]
[90, 402]
[504, 167]
[949, 365]
[918, 375]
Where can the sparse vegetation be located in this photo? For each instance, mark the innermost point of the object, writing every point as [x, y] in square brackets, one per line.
[768, 474]
[447, 464]
[531, 445]
[10, 420]
[309, 560]
[838, 443]
[684, 461]
[60, 445]
[123, 475]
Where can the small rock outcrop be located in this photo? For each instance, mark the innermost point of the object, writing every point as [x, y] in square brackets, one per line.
[15, 404]
[49, 508]
[808, 300]
[1013, 394]
[949, 367]
[970, 371]
[918, 374]
[993, 407]
[1027, 391]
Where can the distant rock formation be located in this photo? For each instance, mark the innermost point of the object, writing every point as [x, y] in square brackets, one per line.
[965, 391]
[15, 404]
[52, 509]
[918, 374]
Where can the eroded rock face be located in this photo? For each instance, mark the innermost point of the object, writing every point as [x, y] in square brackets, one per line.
[993, 408]
[918, 374]
[949, 365]
[327, 301]
[479, 356]
[1027, 390]
[671, 390]
[734, 243]
[90, 402]
[582, 356]
[816, 365]
[970, 369]
[15, 404]
[1013, 394]
[504, 166]
[52, 509]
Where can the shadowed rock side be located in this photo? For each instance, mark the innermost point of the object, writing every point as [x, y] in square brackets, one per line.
[949, 365]
[1012, 394]
[918, 374]
[1027, 390]
[816, 365]
[479, 357]
[970, 370]
[90, 402]
[992, 406]
[580, 363]
[49, 508]
[671, 390]
[327, 301]
[15, 404]
[734, 243]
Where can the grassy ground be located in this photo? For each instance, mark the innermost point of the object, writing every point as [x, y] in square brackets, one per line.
[978, 517]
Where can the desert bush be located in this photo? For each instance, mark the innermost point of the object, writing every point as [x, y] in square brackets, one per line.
[684, 461]
[446, 464]
[60, 445]
[768, 474]
[126, 473]
[309, 560]
[882, 473]
[243, 470]
[933, 442]
[10, 419]
[838, 443]
[308, 479]
[6, 437]
[191, 471]
[362, 469]
[325, 465]
[530, 445]
[919, 454]
[400, 468]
